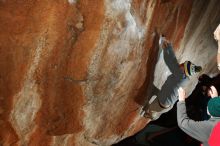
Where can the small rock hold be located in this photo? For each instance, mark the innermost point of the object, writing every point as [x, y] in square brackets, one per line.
[72, 1]
[79, 25]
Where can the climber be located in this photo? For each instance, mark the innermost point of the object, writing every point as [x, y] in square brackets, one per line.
[167, 96]
[217, 38]
[200, 130]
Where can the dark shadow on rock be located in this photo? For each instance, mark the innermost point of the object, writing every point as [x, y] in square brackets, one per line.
[147, 86]
[162, 132]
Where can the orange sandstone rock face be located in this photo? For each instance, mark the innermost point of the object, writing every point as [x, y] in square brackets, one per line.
[75, 73]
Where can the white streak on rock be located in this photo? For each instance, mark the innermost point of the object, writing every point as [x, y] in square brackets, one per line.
[62, 140]
[27, 102]
[72, 1]
[125, 51]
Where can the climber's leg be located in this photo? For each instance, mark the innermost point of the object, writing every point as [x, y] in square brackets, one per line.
[155, 110]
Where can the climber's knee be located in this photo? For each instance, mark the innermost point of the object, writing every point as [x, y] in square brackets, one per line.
[164, 105]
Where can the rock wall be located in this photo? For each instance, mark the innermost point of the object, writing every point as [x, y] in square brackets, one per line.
[76, 72]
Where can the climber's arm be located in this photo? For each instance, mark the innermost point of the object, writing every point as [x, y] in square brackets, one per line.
[170, 59]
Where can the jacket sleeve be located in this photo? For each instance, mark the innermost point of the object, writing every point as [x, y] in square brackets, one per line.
[170, 60]
[196, 129]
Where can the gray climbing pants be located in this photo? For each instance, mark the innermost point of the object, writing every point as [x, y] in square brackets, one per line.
[155, 110]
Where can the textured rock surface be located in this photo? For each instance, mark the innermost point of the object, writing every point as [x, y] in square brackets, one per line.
[75, 73]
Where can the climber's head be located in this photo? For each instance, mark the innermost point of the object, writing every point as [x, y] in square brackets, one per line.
[189, 68]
